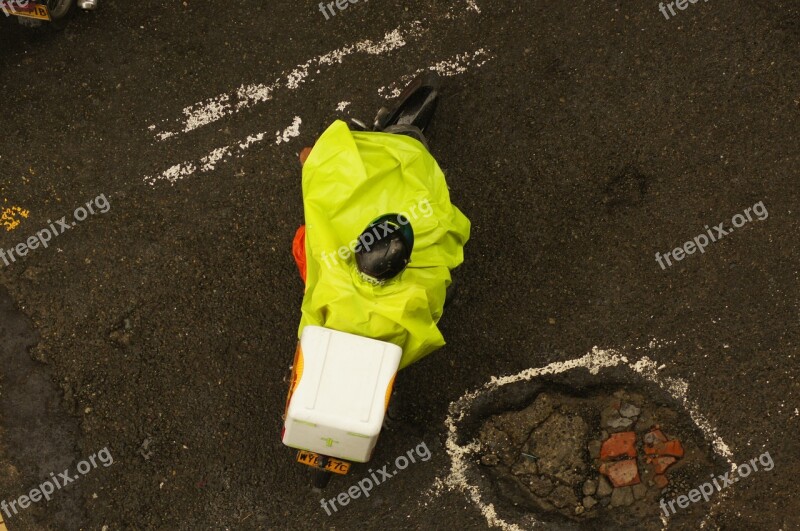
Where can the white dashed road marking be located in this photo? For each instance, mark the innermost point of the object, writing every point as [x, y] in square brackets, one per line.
[246, 96]
[457, 64]
[209, 162]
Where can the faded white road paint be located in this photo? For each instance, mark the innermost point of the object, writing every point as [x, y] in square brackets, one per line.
[246, 96]
[458, 64]
[209, 162]
[472, 5]
[200, 115]
[290, 132]
[594, 361]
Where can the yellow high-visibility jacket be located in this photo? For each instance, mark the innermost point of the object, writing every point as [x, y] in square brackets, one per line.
[349, 179]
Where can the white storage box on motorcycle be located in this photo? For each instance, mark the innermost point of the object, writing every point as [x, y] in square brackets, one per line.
[341, 387]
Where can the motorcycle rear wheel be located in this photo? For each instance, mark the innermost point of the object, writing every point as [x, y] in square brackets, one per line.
[321, 478]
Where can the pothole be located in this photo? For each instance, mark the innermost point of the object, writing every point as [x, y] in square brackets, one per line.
[606, 456]
[590, 443]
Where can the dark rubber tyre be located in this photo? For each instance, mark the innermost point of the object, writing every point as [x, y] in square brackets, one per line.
[321, 478]
[415, 106]
[59, 14]
[58, 8]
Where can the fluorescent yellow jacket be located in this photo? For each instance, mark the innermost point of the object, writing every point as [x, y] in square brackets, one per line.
[349, 179]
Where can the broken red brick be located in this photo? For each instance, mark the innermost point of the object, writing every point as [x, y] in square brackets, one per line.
[661, 464]
[654, 442]
[655, 435]
[673, 448]
[621, 473]
[661, 481]
[618, 445]
[653, 450]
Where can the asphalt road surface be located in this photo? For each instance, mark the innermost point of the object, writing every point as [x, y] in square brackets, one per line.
[580, 138]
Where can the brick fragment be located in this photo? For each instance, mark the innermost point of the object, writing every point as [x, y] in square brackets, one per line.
[654, 435]
[673, 448]
[654, 442]
[619, 445]
[621, 473]
[661, 464]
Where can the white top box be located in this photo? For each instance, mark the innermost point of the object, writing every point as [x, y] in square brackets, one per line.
[339, 401]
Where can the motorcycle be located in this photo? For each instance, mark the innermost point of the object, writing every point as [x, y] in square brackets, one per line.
[33, 13]
[373, 297]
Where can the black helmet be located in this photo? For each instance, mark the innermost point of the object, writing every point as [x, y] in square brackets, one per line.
[384, 248]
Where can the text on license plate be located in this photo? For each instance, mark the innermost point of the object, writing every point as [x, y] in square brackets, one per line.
[336, 466]
[39, 12]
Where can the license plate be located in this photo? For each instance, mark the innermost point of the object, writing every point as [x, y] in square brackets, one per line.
[337, 466]
[38, 12]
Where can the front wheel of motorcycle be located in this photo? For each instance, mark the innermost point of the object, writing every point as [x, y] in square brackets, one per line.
[58, 8]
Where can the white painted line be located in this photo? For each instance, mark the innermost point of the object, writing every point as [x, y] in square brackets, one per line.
[208, 163]
[455, 11]
[220, 106]
[290, 132]
[458, 64]
[679, 389]
[226, 104]
[594, 361]
[246, 96]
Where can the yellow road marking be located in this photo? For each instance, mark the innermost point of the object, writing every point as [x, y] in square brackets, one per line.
[2, 525]
[10, 219]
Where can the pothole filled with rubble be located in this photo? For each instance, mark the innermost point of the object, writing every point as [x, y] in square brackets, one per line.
[608, 457]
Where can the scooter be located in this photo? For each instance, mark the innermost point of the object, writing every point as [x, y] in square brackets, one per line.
[372, 309]
[33, 13]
